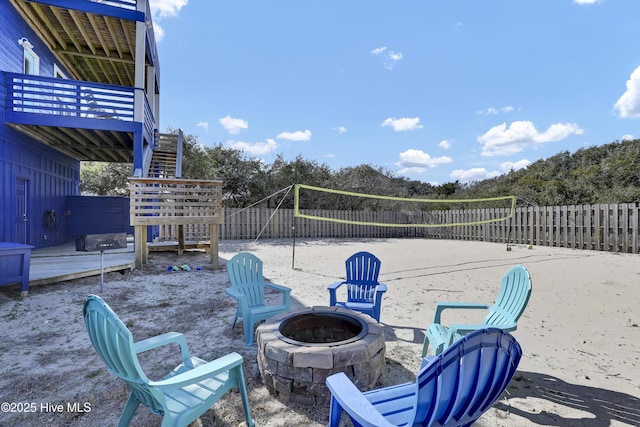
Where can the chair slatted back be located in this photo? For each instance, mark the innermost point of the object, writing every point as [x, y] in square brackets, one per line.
[113, 342]
[512, 299]
[467, 378]
[362, 270]
[245, 274]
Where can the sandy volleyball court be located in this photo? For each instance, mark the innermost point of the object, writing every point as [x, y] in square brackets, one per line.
[580, 332]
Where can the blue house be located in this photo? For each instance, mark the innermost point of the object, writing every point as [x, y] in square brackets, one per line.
[79, 81]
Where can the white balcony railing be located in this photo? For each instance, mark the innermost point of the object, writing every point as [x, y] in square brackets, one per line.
[65, 97]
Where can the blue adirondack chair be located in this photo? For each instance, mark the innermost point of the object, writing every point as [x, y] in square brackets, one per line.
[181, 396]
[247, 287]
[504, 313]
[452, 389]
[364, 292]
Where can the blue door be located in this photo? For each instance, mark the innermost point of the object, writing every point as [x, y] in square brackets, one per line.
[21, 220]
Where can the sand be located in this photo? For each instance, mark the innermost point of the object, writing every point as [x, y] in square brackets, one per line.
[580, 332]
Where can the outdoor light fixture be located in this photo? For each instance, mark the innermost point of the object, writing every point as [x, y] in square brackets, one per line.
[24, 42]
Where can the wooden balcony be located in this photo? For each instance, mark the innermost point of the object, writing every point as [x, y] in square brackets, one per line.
[86, 120]
[105, 110]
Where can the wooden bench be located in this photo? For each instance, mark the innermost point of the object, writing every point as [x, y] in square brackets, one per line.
[15, 260]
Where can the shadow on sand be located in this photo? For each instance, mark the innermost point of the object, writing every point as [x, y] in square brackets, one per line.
[583, 405]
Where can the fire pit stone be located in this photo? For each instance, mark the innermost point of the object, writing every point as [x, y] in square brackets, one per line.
[296, 371]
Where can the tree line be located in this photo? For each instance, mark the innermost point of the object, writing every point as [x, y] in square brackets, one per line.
[608, 173]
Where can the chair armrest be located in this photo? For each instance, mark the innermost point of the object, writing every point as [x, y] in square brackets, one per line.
[353, 402]
[286, 292]
[333, 298]
[426, 361]
[283, 289]
[441, 306]
[240, 297]
[464, 329]
[380, 289]
[335, 285]
[165, 339]
[208, 370]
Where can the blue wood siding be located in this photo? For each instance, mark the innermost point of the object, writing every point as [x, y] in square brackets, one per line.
[50, 176]
[12, 28]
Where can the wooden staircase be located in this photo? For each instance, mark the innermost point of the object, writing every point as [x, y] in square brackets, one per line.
[165, 157]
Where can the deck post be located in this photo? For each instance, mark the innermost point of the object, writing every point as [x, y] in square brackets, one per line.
[213, 245]
[140, 245]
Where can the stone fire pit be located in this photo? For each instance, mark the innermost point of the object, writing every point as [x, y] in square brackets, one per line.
[298, 350]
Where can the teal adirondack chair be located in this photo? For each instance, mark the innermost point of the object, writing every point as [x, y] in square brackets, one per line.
[180, 397]
[364, 292]
[247, 287]
[504, 313]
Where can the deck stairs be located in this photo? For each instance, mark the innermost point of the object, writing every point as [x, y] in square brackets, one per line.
[164, 163]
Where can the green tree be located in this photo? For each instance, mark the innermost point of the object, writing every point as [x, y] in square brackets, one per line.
[240, 175]
[282, 174]
[105, 179]
[608, 173]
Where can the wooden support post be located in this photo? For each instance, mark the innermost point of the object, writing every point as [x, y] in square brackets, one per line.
[140, 245]
[180, 239]
[213, 245]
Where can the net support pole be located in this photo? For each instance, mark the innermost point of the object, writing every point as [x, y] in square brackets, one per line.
[293, 252]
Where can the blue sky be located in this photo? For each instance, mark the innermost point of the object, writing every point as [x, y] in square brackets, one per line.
[432, 90]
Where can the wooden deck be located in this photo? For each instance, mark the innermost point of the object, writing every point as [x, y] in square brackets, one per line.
[179, 202]
[63, 262]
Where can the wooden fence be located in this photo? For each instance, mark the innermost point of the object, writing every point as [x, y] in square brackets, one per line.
[613, 228]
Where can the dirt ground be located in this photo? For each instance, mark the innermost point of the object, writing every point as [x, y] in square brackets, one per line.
[580, 331]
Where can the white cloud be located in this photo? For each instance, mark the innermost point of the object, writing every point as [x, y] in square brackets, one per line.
[509, 166]
[414, 170]
[492, 110]
[340, 129]
[627, 137]
[403, 124]
[161, 9]
[444, 144]
[256, 148]
[629, 103]
[500, 140]
[395, 56]
[158, 32]
[473, 174]
[417, 161]
[166, 8]
[585, 1]
[233, 125]
[390, 57]
[204, 125]
[295, 136]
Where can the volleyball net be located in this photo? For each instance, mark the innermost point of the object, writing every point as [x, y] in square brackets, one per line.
[346, 207]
